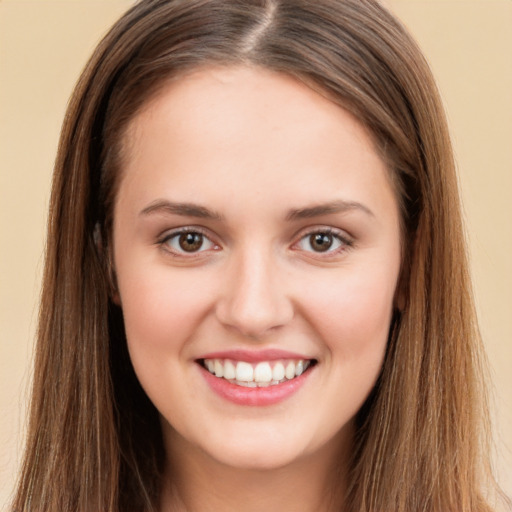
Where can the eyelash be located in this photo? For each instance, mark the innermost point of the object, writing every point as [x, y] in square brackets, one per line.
[163, 242]
[345, 242]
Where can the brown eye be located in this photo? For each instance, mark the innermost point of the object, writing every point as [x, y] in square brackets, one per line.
[321, 242]
[190, 242]
[187, 242]
[326, 241]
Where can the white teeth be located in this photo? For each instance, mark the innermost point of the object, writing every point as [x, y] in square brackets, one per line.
[244, 372]
[278, 372]
[263, 374]
[219, 368]
[229, 370]
[290, 370]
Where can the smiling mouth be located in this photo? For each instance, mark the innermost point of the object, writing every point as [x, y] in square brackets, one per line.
[261, 374]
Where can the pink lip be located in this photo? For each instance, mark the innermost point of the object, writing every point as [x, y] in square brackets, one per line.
[254, 396]
[254, 356]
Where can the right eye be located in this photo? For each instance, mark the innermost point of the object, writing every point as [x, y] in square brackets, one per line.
[187, 241]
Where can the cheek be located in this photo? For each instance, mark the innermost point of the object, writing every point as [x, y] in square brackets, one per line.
[162, 310]
[352, 312]
[162, 306]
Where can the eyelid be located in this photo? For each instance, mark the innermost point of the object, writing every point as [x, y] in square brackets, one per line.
[170, 234]
[346, 240]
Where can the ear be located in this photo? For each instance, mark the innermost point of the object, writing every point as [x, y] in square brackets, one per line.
[400, 300]
[106, 259]
[112, 281]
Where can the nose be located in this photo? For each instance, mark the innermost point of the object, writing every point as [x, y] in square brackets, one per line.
[253, 301]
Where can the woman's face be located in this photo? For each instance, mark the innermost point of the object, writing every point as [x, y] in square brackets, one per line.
[256, 236]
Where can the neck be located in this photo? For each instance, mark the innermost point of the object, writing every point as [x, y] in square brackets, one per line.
[198, 483]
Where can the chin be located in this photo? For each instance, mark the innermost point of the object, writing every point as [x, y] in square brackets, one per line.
[267, 449]
[256, 458]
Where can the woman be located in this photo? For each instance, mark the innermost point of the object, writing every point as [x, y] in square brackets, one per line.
[256, 292]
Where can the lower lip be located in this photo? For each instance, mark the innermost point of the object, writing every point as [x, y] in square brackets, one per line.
[242, 395]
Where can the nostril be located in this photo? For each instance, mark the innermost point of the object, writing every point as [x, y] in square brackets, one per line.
[255, 323]
[253, 301]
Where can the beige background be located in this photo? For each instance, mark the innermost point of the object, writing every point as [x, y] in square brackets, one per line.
[43, 46]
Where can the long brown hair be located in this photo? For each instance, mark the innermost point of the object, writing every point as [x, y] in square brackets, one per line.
[94, 440]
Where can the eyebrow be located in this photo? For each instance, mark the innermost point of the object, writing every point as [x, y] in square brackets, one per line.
[201, 212]
[338, 206]
[184, 209]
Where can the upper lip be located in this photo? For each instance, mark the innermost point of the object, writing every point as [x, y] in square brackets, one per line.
[254, 356]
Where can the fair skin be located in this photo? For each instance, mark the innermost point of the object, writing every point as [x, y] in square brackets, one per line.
[255, 224]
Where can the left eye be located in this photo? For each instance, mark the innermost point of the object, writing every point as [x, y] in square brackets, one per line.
[188, 242]
[321, 242]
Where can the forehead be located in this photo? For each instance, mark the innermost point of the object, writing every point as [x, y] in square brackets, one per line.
[207, 97]
[251, 126]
